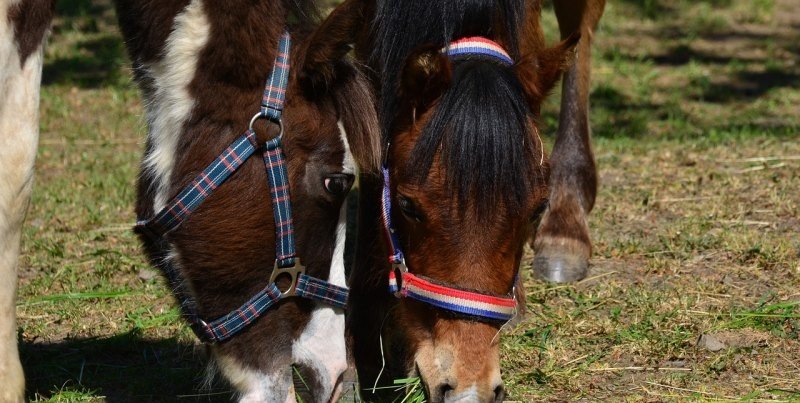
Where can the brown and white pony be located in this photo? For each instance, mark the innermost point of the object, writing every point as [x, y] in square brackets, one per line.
[23, 28]
[469, 179]
[201, 66]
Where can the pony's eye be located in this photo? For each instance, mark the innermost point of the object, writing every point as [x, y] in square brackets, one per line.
[409, 209]
[537, 214]
[338, 184]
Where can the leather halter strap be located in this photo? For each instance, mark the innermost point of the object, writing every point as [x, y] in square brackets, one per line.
[180, 207]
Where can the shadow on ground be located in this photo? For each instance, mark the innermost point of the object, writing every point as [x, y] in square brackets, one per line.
[123, 368]
[731, 67]
[92, 54]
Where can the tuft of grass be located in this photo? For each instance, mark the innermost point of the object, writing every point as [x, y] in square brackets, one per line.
[413, 390]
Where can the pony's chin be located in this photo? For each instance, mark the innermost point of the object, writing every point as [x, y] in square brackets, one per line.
[254, 386]
[264, 396]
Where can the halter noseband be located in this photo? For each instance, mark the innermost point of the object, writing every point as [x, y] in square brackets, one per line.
[287, 263]
[447, 297]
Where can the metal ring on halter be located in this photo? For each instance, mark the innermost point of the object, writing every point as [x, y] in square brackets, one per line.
[260, 115]
[399, 269]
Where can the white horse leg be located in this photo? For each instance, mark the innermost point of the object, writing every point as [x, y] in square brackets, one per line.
[19, 134]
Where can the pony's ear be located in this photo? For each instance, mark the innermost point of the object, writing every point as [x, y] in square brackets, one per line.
[424, 78]
[539, 73]
[331, 42]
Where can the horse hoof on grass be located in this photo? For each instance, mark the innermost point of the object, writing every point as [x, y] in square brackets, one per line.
[560, 267]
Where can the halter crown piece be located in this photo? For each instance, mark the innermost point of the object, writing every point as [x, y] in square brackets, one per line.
[478, 46]
[287, 263]
[402, 283]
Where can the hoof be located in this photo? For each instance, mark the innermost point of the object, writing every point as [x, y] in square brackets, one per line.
[560, 267]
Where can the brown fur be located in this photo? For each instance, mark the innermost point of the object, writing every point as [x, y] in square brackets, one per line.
[31, 19]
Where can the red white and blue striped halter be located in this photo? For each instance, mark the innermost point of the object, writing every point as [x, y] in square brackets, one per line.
[287, 263]
[403, 283]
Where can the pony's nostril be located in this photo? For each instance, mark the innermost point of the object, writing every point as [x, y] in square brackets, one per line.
[443, 389]
[499, 394]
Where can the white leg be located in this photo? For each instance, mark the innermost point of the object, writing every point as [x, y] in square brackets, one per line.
[19, 135]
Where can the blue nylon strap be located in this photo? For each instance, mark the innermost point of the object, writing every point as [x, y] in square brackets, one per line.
[322, 291]
[395, 253]
[215, 174]
[307, 287]
[277, 175]
[275, 90]
[230, 324]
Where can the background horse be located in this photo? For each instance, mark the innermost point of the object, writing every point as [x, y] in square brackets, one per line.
[201, 67]
[467, 180]
[23, 25]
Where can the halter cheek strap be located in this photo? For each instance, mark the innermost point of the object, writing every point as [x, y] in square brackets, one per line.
[179, 209]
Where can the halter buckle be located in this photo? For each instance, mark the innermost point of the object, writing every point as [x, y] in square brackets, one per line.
[293, 272]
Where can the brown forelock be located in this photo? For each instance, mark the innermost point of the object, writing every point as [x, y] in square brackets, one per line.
[31, 19]
[226, 249]
[355, 103]
[326, 70]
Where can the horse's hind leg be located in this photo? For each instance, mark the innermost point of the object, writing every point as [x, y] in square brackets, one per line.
[22, 28]
[562, 243]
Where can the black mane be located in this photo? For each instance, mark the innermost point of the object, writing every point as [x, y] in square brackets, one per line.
[402, 26]
[482, 130]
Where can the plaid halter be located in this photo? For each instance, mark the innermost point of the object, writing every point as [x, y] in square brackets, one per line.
[215, 174]
[402, 283]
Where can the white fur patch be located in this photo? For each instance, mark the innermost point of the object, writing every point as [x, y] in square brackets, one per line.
[349, 163]
[172, 104]
[19, 135]
[257, 387]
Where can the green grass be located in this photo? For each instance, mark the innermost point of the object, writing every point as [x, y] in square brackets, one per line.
[694, 113]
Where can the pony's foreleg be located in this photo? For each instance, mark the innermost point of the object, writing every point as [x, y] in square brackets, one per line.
[20, 78]
[562, 243]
